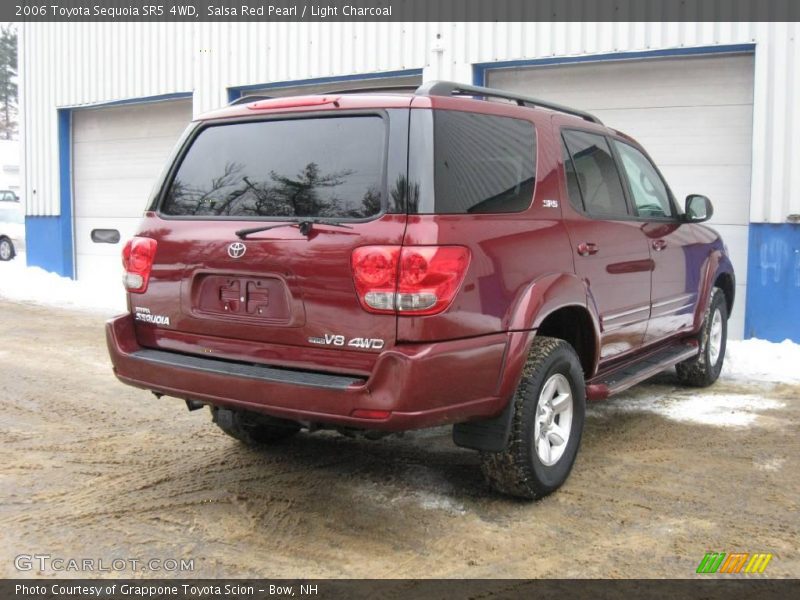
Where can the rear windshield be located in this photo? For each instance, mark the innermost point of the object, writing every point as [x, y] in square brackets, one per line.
[320, 167]
[481, 164]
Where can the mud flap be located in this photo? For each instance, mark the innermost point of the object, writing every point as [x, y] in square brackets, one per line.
[487, 435]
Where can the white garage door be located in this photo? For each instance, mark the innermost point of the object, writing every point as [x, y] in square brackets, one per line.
[118, 153]
[693, 115]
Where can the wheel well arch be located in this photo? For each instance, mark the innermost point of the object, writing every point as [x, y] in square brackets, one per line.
[724, 281]
[574, 325]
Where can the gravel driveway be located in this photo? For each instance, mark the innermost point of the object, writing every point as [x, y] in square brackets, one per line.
[96, 469]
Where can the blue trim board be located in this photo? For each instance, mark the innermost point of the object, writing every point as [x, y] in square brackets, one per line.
[773, 282]
[236, 92]
[48, 240]
[479, 69]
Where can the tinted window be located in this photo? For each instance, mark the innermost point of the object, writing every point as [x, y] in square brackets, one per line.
[573, 188]
[324, 167]
[482, 163]
[649, 191]
[596, 173]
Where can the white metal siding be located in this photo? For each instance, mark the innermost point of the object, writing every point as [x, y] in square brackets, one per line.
[694, 116]
[71, 64]
[118, 153]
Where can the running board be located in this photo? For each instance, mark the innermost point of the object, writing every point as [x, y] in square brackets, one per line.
[629, 374]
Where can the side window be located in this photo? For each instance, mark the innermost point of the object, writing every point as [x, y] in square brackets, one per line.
[649, 191]
[482, 163]
[573, 188]
[596, 174]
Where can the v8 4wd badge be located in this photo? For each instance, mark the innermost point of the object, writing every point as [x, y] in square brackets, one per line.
[331, 339]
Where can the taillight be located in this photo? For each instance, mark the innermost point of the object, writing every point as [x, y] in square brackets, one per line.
[414, 280]
[137, 259]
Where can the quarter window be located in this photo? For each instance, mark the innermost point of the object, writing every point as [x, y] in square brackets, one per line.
[596, 174]
[649, 191]
[482, 163]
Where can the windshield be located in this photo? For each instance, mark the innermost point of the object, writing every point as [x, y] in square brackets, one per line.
[316, 167]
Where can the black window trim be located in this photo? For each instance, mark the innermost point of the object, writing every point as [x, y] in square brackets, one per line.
[631, 214]
[157, 204]
[676, 216]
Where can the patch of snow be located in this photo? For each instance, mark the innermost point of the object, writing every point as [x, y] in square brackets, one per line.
[429, 501]
[719, 410]
[770, 464]
[762, 361]
[21, 283]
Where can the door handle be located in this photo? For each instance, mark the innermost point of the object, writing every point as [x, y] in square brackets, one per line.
[659, 245]
[587, 248]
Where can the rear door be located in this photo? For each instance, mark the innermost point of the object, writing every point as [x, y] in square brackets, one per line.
[290, 288]
[611, 254]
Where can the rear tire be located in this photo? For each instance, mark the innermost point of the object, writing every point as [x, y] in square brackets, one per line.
[251, 428]
[704, 369]
[6, 249]
[549, 409]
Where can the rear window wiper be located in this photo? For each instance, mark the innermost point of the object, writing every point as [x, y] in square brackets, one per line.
[305, 226]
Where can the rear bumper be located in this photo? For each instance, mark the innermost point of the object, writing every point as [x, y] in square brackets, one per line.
[421, 385]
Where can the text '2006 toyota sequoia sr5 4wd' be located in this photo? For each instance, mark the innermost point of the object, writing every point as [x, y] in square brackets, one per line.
[375, 263]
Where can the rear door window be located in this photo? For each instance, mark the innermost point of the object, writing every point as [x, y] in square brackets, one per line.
[596, 175]
[314, 167]
[482, 163]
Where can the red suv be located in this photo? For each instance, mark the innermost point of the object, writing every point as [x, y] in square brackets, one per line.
[374, 263]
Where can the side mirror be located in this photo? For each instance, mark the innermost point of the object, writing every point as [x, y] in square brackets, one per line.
[698, 208]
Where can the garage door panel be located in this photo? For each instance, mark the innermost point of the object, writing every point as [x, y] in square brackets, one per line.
[107, 198]
[686, 81]
[132, 121]
[728, 187]
[118, 154]
[84, 245]
[717, 135]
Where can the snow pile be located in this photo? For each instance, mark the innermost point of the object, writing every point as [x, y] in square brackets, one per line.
[720, 410]
[761, 361]
[32, 284]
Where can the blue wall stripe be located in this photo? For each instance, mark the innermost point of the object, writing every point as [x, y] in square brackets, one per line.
[773, 282]
[234, 93]
[479, 69]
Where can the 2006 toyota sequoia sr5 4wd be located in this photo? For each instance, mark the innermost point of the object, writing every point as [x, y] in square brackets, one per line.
[375, 263]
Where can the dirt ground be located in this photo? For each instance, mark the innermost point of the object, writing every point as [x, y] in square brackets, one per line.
[93, 468]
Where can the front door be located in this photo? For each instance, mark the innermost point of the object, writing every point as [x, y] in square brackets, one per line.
[674, 282]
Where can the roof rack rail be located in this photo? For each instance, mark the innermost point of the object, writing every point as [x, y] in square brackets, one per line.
[450, 88]
[246, 99]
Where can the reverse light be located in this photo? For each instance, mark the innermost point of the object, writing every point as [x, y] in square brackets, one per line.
[413, 280]
[137, 260]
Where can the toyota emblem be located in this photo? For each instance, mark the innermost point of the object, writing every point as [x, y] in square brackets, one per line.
[237, 250]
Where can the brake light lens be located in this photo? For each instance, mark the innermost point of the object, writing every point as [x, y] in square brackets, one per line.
[413, 280]
[137, 260]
